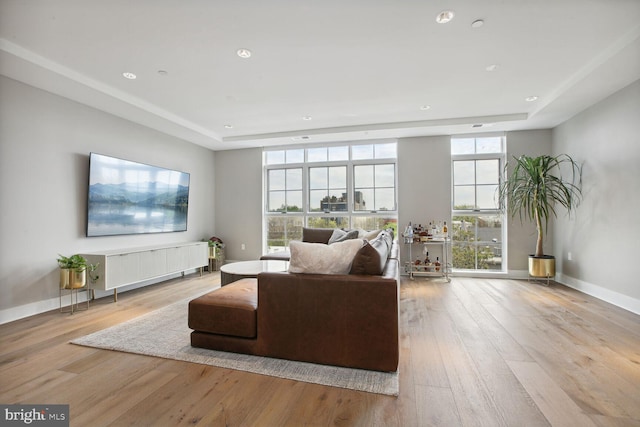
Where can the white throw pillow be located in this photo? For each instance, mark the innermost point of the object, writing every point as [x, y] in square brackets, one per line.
[370, 235]
[318, 258]
[367, 235]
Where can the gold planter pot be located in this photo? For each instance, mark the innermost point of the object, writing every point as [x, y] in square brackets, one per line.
[72, 279]
[65, 278]
[544, 266]
[78, 279]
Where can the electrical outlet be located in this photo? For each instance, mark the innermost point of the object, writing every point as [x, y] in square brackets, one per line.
[569, 257]
[242, 246]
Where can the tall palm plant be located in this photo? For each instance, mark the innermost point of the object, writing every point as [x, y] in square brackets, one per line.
[536, 185]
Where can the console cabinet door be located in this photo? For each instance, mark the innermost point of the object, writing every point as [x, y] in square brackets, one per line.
[177, 259]
[122, 269]
[153, 263]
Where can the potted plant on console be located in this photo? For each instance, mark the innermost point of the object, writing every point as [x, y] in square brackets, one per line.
[532, 190]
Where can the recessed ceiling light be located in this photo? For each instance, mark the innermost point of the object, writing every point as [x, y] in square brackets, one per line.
[477, 23]
[244, 53]
[444, 16]
[425, 107]
[531, 98]
[129, 76]
[492, 67]
[228, 126]
[163, 72]
[306, 118]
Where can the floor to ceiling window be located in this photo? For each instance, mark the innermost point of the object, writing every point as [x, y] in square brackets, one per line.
[477, 229]
[348, 185]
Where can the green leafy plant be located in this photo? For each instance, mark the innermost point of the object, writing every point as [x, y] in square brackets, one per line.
[79, 264]
[74, 262]
[91, 270]
[536, 185]
[215, 242]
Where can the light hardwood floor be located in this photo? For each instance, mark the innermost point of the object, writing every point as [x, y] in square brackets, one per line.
[473, 353]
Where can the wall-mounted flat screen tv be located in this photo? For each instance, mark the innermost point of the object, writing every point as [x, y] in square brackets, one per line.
[127, 197]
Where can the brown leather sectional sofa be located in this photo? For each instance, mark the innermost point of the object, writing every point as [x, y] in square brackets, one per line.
[346, 320]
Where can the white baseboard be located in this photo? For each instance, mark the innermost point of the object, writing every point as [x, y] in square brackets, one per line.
[623, 301]
[26, 310]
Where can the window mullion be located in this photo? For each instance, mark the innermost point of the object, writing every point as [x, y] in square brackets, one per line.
[305, 190]
[352, 186]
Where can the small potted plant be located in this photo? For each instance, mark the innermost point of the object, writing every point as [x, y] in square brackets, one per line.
[73, 271]
[216, 253]
[534, 188]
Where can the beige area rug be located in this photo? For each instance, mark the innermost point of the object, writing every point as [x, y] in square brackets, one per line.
[164, 333]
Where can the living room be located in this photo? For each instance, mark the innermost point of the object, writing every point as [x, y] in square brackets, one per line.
[46, 139]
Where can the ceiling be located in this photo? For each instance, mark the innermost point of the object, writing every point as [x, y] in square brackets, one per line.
[325, 70]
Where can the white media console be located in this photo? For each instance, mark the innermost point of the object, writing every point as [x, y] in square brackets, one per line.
[117, 268]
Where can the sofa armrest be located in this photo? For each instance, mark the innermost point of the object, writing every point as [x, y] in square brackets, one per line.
[276, 256]
[343, 320]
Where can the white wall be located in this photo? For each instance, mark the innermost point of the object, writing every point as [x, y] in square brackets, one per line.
[45, 141]
[604, 234]
[424, 183]
[238, 202]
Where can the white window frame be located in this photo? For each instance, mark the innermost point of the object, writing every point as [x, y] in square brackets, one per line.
[306, 214]
[478, 212]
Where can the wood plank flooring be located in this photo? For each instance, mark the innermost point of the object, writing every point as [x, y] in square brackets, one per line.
[474, 352]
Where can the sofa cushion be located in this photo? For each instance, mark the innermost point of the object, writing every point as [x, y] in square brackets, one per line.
[230, 310]
[372, 257]
[318, 258]
[341, 235]
[316, 235]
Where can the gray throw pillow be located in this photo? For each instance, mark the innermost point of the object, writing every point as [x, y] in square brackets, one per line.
[341, 235]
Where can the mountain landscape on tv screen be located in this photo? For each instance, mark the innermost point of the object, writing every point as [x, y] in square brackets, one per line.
[145, 194]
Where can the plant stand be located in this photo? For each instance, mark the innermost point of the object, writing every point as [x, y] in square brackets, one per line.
[216, 258]
[539, 280]
[73, 294]
[542, 267]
